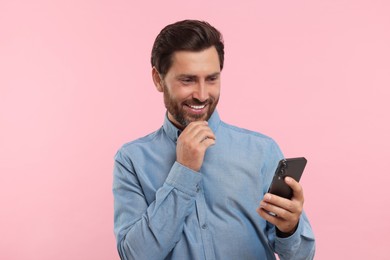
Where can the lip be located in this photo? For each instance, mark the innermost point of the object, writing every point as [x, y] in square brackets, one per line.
[196, 109]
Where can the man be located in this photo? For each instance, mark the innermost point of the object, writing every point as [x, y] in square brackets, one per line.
[197, 187]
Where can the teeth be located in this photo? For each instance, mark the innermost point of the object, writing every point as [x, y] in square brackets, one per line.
[197, 107]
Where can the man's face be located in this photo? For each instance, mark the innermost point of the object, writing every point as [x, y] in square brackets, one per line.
[191, 86]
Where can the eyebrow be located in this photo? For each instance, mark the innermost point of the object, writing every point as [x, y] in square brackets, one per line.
[194, 76]
[214, 74]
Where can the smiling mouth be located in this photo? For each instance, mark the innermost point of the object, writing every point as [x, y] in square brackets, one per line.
[197, 107]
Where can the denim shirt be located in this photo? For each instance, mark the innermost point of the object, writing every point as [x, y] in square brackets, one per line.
[164, 210]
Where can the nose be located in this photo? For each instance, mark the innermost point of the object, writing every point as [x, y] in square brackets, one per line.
[200, 93]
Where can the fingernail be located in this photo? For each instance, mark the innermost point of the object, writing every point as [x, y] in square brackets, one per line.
[267, 197]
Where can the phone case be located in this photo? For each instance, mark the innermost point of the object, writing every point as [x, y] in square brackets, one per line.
[292, 167]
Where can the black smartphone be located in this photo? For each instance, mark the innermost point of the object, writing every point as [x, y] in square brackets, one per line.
[292, 167]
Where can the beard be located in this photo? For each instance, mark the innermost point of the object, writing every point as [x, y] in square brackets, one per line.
[182, 116]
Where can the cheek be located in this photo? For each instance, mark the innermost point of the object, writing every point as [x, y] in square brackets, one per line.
[180, 93]
[215, 91]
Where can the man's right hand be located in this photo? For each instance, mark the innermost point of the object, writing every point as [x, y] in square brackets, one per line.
[193, 143]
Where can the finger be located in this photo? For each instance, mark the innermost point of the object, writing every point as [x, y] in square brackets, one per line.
[196, 135]
[208, 142]
[277, 203]
[267, 216]
[206, 134]
[284, 225]
[202, 133]
[193, 126]
[277, 211]
[296, 187]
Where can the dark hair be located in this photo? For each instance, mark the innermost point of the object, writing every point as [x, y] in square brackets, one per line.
[187, 35]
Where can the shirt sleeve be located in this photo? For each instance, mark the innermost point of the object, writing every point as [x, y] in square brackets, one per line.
[300, 245]
[151, 231]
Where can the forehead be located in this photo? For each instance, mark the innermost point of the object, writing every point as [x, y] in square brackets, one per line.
[203, 62]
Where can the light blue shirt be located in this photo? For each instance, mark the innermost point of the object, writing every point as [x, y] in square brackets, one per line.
[164, 210]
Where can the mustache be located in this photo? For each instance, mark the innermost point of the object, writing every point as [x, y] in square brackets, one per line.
[197, 102]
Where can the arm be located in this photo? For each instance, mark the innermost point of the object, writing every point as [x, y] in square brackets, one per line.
[150, 232]
[300, 245]
[294, 237]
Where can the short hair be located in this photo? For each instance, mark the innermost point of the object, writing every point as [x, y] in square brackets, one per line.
[186, 35]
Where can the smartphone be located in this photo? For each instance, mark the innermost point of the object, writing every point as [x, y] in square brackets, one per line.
[292, 167]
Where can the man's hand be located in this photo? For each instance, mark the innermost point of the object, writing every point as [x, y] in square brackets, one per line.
[287, 211]
[193, 143]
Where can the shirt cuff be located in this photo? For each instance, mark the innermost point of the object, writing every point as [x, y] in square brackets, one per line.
[292, 241]
[284, 235]
[184, 179]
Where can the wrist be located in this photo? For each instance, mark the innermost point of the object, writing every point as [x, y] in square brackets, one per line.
[282, 234]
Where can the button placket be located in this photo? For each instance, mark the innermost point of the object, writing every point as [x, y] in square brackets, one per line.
[203, 225]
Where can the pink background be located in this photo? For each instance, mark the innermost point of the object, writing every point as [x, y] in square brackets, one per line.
[75, 84]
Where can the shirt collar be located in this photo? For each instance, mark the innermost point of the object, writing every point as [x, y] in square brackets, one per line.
[173, 132]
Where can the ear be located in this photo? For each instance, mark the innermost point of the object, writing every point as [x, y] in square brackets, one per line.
[157, 80]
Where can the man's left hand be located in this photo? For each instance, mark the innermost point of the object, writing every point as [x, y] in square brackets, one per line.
[287, 212]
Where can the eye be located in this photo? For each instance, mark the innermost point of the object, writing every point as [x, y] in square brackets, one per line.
[212, 79]
[186, 81]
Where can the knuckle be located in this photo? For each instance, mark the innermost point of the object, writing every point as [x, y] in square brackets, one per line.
[290, 207]
[204, 131]
[282, 214]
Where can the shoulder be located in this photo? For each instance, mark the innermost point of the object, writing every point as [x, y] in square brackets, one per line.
[139, 143]
[246, 133]
[251, 141]
[143, 140]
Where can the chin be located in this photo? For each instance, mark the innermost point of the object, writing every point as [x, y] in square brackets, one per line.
[203, 117]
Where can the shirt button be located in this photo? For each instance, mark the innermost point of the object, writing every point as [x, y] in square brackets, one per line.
[204, 226]
[197, 188]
